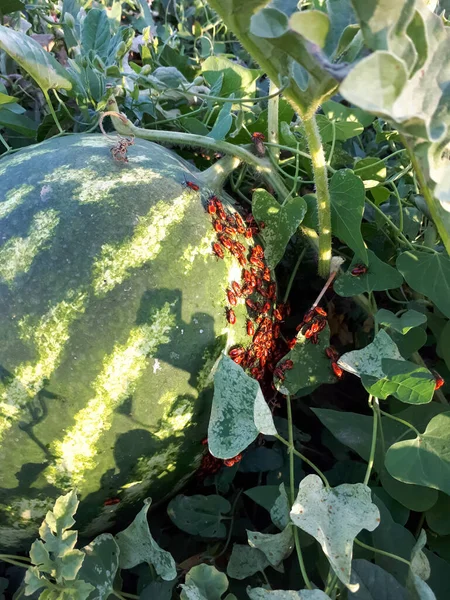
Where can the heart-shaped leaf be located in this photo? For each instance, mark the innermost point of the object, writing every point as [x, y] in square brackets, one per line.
[280, 222]
[428, 274]
[311, 365]
[41, 65]
[368, 360]
[402, 324]
[199, 515]
[410, 342]
[424, 460]
[276, 547]
[95, 33]
[402, 379]
[204, 582]
[313, 25]
[334, 517]
[438, 516]
[239, 411]
[347, 207]
[246, 561]
[379, 276]
[375, 583]
[137, 545]
[100, 565]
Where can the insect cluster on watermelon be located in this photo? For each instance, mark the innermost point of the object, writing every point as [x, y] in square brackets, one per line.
[112, 315]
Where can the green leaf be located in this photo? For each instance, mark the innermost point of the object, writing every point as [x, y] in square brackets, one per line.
[335, 111]
[263, 594]
[410, 342]
[334, 517]
[419, 562]
[41, 65]
[9, 6]
[204, 582]
[399, 513]
[239, 411]
[261, 459]
[402, 379]
[402, 324]
[20, 123]
[40, 557]
[5, 99]
[347, 207]
[281, 222]
[368, 360]
[137, 546]
[375, 583]
[199, 515]
[355, 431]
[61, 518]
[375, 82]
[379, 277]
[337, 130]
[279, 513]
[236, 79]
[311, 365]
[34, 581]
[424, 460]
[246, 561]
[428, 274]
[3, 585]
[313, 25]
[264, 495]
[223, 123]
[438, 516]
[68, 566]
[276, 547]
[372, 171]
[100, 565]
[95, 33]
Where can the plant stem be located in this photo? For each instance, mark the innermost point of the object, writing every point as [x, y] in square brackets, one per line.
[405, 423]
[214, 177]
[5, 143]
[52, 111]
[14, 561]
[293, 274]
[390, 223]
[433, 205]
[292, 492]
[394, 556]
[272, 119]
[125, 595]
[124, 127]
[374, 441]
[306, 460]
[322, 192]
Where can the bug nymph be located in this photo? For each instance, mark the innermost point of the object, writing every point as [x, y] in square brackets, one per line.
[192, 186]
[358, 270]
[258, 139]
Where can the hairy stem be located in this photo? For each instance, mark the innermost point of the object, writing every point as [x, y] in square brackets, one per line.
[433, 205]
[322, 192]
[272, 120]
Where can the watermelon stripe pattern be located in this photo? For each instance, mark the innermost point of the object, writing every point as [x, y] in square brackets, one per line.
[111, 319]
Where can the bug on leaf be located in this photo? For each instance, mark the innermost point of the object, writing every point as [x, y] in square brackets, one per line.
[218, 250]
[309, 316]
[111, 501]
[231, 298]
[266, 274]
[439, 382]
[287, 365]
[225, 241]
[337, 370]
[266, 307]
[277, 314]
[237, 354]
[211, 207]
[258, 251]
[218, 226]
[250, 328]
[192, 186]
[251, 304]
[315, 338]
[218, 204]
[229, 462]
[231, 317]
[258, 139]
[236, 288]
[359, 270]
[320, 311]
[331, 353]
[257, 262]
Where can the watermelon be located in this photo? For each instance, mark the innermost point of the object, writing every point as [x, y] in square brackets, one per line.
[112, 315]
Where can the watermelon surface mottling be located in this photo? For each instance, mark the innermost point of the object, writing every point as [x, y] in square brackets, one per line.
[111, 318]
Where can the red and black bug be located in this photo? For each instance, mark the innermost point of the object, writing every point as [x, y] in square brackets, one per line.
[331, 353]
[251, 304]
[231, 298]
[231, 317]
[439, 381]
[229, 462]
[287, 365]
[320, 311]
[192, 186]
[337, 370]
[211, 207]
[236, 288]
[218, 250]
[111, 501]
[225, 241]
[250, 328]
[258, 251]
[266, 274]
[266, 307]
[257, 262]
[237, 354]
[358, 270]
[218, 226]
[277, 314]
[258, 139]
